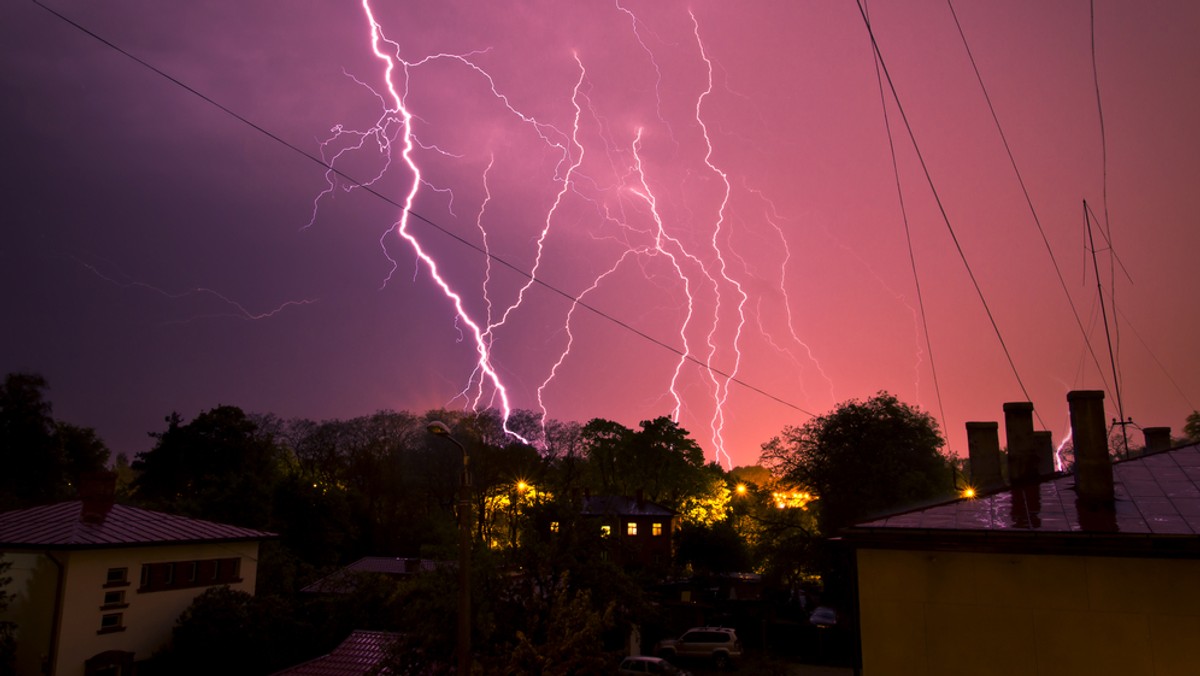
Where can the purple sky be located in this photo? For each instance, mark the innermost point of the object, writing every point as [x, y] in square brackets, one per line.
[160, 255]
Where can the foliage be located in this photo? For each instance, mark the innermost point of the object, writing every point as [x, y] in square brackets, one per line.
[715, 548]
[1191, 428]
[216, 467]
[42, 458]
[708, 504]
[8, 630]
[231, 632]
[660, 459]
[565, 635]
[863, 458]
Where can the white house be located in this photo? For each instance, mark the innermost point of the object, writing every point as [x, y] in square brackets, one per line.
[98, 586]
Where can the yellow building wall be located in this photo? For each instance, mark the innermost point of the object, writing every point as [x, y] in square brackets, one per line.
[149, 617]
[933, 613]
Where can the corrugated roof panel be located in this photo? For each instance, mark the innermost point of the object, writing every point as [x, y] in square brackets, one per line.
[61, 525]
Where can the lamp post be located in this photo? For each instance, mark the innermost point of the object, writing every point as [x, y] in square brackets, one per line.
[438, 428]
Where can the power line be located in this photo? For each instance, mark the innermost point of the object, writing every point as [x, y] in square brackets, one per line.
[369, 189]
[912, 258]
[938, 200]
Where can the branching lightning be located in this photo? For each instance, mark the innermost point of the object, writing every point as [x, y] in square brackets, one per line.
[604, 194]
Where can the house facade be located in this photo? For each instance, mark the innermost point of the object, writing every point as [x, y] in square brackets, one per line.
[640, 532]
[98, 586]
[1094, 572]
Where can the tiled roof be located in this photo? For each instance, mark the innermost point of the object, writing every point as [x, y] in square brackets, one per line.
[360, 654]
[623, 506]
[1156, 495]
[59, 526]
[343, 580]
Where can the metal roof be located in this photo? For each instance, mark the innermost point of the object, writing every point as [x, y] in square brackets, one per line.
[1156, 495]
[60, 526]
[621, 505]
[361, 653]
[344, 580]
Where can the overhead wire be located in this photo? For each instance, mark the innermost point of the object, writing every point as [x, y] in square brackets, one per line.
[938, 200]
[912, 258]
[575, 300]
[1025, 191]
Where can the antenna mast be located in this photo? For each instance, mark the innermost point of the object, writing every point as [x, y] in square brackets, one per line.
[1121, 420]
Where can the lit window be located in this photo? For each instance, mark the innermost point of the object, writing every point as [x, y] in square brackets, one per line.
[111, 622]
[656, 529]
[553, 526]
[631, 528]
[116, 577]
[605, 531]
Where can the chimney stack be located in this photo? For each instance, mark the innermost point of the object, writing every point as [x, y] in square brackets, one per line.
[1157, 439]
[1022, 455]
[1093, 469]
[97, 490]
[983, 448]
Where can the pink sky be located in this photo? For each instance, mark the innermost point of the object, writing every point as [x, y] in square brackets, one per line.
[149, 235]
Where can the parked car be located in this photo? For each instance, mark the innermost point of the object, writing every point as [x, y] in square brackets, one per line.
[823, 617]
[719, 644]
[636, 665]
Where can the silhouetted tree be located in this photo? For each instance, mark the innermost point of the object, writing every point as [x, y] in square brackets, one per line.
[41, 459]
[1191, 428]
[8, 639]
[216, 467]
[863, 458]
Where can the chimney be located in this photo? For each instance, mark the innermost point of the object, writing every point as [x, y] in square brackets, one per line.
[96, 491]
[1022, 456]
[640, 496]
[983, 448]
[1093, 469]
[1043, 444]
[1157, 439]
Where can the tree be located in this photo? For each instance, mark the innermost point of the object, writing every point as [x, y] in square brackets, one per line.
[1191, 428]
[863, 458]
[8, 630]
[41, 458]
[216, 467]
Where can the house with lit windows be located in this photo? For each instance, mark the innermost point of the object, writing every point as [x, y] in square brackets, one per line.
[641, 531]
[97, 586]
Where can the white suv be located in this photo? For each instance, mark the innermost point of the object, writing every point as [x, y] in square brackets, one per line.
[719, 644]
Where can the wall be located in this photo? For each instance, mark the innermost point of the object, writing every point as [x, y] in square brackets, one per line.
[149, 617]
[925, 612]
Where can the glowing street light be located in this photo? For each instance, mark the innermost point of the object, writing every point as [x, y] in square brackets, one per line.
[439, 429]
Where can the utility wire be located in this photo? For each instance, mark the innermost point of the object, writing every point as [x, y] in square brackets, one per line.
[937, 199]
[575, 300]
[912, 258]
[1028, 200]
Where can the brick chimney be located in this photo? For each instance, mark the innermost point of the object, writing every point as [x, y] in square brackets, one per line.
[1022, 455]
[983, 448]
[1093, 469]
[1157, 439]
[97, 491]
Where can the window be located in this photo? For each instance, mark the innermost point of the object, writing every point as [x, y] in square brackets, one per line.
[185, 574]
[631, 528]
[605, 531]
[553, 526]
[114, 599]
[111, 622]
[116, 577]
[656, 529]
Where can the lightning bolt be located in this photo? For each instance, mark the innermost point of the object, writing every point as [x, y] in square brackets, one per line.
[603, 189]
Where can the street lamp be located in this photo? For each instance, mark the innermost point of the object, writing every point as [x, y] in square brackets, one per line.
[439, 429]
